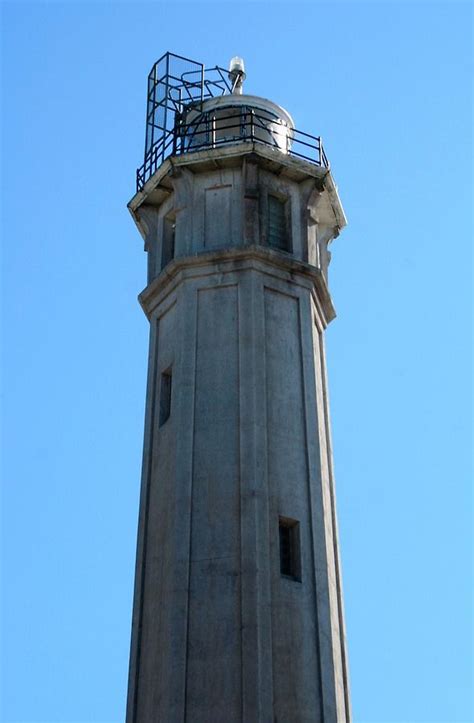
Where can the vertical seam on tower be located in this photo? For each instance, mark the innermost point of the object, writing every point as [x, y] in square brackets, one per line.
[269, 521]
[334, 534]
[260, 291]
[191, 507]
[239, 442]
[145, 520]
[310, 497]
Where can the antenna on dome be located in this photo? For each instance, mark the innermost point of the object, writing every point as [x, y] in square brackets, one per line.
[237, 74]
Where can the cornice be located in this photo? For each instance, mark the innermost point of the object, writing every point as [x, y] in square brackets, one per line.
[159, 185]
[233, 260]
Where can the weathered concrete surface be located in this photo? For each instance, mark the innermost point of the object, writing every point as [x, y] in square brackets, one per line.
[218, 634]
[219, 198]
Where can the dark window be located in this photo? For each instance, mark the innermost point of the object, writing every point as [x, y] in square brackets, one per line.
[167, 251]
[165, 396]
[277, 224]
[290, 558]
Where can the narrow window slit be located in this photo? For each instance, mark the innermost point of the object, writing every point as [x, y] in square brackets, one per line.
[290, 554]
[169, 233]
[165, 396]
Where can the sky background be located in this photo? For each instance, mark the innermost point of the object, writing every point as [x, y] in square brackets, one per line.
[389, 88]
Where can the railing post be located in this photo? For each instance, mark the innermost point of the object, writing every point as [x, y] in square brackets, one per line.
[213, 131]
[175, 139]
[252, 113]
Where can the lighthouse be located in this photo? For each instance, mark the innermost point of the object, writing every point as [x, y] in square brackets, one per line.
[238, 610]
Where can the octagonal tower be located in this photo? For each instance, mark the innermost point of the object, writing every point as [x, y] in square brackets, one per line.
[238, 604]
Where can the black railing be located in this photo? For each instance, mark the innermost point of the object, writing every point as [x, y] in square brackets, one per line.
[176, 84]
[213, 130]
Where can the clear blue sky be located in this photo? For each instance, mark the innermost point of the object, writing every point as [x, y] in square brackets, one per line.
[389, 87]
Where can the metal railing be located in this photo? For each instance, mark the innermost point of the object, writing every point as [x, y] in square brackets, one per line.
[212, 130]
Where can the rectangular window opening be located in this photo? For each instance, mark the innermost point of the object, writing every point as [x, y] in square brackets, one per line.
[169, 233]
[278, 236]
[290, 555]
[165, 396]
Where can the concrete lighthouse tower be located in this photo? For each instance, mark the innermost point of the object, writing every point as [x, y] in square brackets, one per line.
[238, 605]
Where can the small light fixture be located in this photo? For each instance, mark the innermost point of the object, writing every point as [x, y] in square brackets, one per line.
[237, 74]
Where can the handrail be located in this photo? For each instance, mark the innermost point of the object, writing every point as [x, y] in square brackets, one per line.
[249, 126]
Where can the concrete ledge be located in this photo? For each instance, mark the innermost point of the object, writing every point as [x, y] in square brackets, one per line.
[230, 260]
[158, 186]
